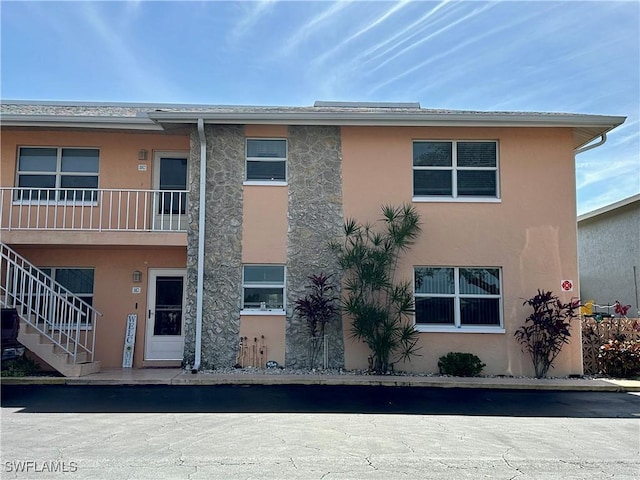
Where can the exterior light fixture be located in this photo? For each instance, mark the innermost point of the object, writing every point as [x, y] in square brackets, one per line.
[142, 154]
[137, 276]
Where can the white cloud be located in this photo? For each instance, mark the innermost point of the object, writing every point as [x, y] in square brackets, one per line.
[131, 67]
[312, 26]
[253, 15]
[432, 59]
[385, 16]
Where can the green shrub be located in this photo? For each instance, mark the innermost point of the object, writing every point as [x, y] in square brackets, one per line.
[460, 364]
[620, 358]
[20, 367]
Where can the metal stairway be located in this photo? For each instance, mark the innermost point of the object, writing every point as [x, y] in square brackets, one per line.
[55, 324]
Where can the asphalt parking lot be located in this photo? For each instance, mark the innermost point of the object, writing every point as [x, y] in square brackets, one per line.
[300, 432]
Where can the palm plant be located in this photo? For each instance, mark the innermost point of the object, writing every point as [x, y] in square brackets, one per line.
[380, 308]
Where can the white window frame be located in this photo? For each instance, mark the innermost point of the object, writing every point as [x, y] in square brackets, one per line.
[457, 326]
[267, 311]
[284, 159]
[454, 168]
[52, 275]
[58, 173]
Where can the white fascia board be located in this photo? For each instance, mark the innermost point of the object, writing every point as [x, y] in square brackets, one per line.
[393, 118]
[71, 121]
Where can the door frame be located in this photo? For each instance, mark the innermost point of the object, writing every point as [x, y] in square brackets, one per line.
[181, 221]
[152, 274]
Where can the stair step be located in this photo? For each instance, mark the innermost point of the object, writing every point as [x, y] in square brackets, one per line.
[55, 356]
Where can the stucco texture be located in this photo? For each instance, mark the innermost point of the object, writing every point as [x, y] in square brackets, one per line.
[530, 233]
[609, 257]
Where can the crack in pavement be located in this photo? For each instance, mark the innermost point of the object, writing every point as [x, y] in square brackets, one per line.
[504, 458]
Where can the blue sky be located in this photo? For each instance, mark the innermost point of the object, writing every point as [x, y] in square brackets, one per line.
[571, 56]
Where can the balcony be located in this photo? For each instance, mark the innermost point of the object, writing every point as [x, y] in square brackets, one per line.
[102, 216]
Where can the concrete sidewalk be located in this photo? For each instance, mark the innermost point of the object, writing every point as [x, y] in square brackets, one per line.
[175, 376]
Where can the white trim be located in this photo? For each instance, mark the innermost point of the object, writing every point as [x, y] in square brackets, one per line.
[62, 203]
[422, 328]
[180, 219]
[152, 275]
[454, 169]
[457, 326]
[283, 285]
[265, 183]
[248, 159]
[444, 199]
[265, 313]
[58, 174]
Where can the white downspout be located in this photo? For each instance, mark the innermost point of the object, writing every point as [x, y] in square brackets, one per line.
[603, 139]
[201, 222]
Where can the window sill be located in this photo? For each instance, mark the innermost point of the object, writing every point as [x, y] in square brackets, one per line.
[452, 329]
[455, 200]
[264, 183]
[267, 312]
[60, 203]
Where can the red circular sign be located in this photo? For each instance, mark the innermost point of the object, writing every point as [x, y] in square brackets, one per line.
[567, 285]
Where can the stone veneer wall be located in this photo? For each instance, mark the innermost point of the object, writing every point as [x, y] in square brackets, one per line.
[223, 246]
[315, 217]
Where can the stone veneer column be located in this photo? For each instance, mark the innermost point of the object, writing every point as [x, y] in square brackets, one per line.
[223, 245]
[315, 217]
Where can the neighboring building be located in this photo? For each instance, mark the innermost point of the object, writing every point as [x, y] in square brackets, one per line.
[105, 199]
[609, 254]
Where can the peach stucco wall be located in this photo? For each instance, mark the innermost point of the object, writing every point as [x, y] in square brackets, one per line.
[530, 233]
[272, 327]
[264, 224]
[118, 152]
[113, 295]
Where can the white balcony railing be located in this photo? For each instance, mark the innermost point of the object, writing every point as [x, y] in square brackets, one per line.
[97, 210]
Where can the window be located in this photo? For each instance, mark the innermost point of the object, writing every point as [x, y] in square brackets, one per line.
[53, 173]
[263, 287]
[455, 170]
[78, 281]
[266, 160]
[458, 298]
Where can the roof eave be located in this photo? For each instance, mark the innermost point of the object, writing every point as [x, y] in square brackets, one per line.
[75, 121]
[586, 127]
[609, 208]
[392, 118]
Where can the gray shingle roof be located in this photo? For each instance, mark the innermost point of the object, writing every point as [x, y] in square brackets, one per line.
[151, 116]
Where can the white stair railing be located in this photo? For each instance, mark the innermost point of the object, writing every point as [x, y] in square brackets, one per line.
[51, 309]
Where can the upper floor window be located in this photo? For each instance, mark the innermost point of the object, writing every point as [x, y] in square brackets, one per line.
[263, 287]
[452, 298]
[455, 170]
[266, 160]
[57, 173]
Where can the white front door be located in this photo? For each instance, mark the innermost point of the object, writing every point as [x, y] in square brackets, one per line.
[170, 203]
[165, 314]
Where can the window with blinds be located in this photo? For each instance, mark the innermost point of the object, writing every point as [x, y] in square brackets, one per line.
[266, 160]
[455, 169]
[457, 297]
